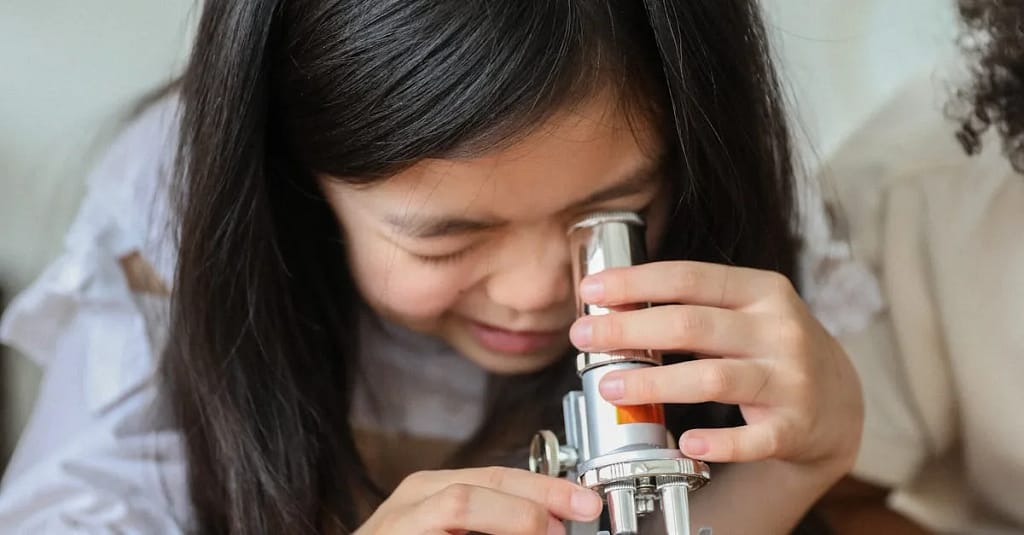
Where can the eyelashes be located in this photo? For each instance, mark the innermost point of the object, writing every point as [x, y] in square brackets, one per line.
[446, 259]
[453, 258]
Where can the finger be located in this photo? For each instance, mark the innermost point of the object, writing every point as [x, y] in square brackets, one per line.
[737, 444]
[558, 496]
[697, 381]
[460, 508]
[697, 283]
[684, 328]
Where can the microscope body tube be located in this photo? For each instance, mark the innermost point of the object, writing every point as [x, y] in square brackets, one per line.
[613, 429]
[623, 452]
[597, 243]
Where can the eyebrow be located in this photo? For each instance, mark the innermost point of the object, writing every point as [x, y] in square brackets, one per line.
[435, 226]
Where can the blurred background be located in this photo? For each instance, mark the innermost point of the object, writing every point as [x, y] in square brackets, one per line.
[70, 72]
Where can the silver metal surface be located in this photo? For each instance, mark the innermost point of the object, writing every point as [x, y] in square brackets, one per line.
[602, 241]
[644, 504]
[624, 453]
[588, 360]
[574, 414]
[596, 243]
[675, 507]
[583, 528]
[606, 433]
[544, 453]
[695, 473]
[548, 457]
[622, 510]
[636, 454]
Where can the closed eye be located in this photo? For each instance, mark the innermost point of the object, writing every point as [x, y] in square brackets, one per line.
[444, 259]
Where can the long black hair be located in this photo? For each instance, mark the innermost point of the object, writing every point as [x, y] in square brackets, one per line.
[264, 308]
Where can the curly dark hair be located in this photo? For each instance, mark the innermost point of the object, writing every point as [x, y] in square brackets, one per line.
[993, 40]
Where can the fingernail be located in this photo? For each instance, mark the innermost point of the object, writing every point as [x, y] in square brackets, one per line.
[591, 290]
[582, 333]
[694, 446]
[585, 503]
[612, 388]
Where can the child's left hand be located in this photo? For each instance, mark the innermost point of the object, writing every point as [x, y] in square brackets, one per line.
[759, 348]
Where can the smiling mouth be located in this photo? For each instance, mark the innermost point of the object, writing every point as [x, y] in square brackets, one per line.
[515, 342]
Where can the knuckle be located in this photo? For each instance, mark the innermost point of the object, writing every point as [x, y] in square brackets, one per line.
[414, 481]
[773, 442]
[780, 284]
[496, 476]
[389, 524]
[687, 280]
[765, 383]
[452, 504]
[715, 381]
[792, 336]
[802, 384]
[688, 325]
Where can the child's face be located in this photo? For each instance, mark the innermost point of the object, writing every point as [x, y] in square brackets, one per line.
[474, 251]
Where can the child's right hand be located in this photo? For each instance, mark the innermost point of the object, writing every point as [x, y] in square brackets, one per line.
[494, 500]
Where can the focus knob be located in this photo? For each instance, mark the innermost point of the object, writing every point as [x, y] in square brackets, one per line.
[548, 457]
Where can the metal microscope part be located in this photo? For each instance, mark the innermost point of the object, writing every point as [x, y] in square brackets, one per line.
[675, 505]
[622, 509]
[622, 452]
[628, 465]
[599, 242]
[548, 457]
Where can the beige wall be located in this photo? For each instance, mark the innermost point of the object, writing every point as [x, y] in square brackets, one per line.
[843, 58]
[68, 68]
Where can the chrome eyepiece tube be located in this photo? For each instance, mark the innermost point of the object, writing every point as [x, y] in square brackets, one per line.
[624, 453]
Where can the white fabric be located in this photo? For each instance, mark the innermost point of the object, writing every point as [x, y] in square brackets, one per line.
[942, 366]
[100, 454]
[840, 290]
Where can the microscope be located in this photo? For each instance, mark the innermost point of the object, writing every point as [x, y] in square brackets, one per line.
[624, 453]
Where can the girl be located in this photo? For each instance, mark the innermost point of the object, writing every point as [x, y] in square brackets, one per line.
[370, 304]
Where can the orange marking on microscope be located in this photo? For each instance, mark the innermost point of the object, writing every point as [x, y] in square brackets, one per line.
[640, 414]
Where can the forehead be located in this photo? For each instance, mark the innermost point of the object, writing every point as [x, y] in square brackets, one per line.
[576, 152]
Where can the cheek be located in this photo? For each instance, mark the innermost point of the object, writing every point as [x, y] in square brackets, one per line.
[401, 286]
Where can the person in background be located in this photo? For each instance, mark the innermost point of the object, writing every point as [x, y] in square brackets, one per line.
[940, 214]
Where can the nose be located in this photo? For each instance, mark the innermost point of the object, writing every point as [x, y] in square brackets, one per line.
[533, 273]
